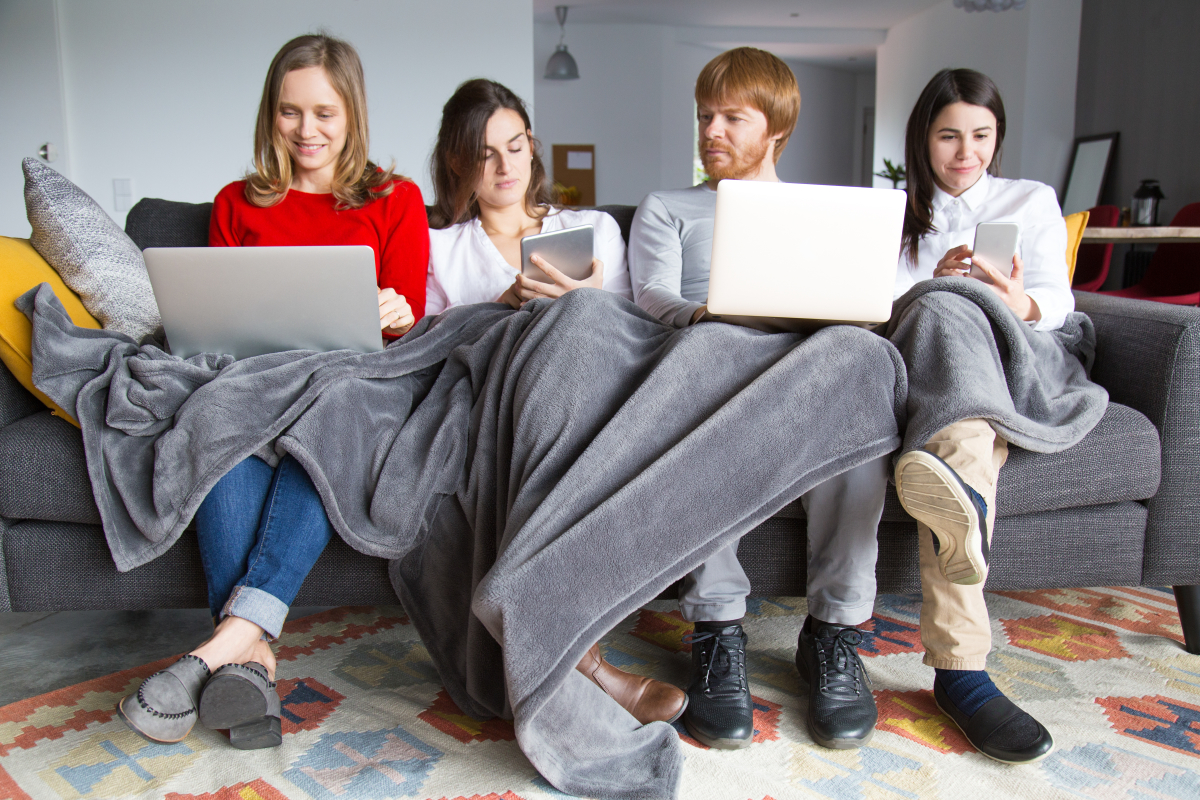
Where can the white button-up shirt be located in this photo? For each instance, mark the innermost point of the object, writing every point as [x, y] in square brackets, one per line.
[1042, 245]
[465, 267]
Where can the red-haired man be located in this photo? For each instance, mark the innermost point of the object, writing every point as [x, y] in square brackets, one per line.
[747, 102]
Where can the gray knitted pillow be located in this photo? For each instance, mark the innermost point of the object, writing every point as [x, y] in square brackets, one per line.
[90, 252]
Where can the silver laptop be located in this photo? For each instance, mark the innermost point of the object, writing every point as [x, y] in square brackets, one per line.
[793, 256]
[247, 301]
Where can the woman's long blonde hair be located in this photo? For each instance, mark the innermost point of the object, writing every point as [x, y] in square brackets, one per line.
[356, 181]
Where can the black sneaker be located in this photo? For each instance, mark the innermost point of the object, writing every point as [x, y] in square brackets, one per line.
[999, 729]
[841, 708]
[720, 712]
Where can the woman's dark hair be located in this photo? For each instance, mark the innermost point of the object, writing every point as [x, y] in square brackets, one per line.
[459, 154]
[948, 86]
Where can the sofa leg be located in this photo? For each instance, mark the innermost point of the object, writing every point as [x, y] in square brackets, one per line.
[1187, 598]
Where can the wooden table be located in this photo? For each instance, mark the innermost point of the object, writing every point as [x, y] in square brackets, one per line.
[1134, 235]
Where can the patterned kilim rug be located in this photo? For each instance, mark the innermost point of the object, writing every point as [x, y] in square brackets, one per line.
[365, 717]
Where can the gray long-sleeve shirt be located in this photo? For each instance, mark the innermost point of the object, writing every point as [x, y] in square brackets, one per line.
[670, 252]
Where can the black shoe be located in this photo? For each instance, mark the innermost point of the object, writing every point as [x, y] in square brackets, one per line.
[999, 729]
[720, 712]
[841, 708]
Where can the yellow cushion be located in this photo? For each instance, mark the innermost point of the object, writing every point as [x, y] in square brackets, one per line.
[1075, 225]
[21, 268]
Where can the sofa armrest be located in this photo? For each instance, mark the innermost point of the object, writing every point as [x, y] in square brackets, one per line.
[1148, 357]
[16, 402]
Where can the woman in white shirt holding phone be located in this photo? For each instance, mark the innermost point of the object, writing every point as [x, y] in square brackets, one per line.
[490, 188]
[491, 192]
[953, 146]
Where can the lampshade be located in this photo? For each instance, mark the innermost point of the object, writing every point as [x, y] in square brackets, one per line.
[561, 66]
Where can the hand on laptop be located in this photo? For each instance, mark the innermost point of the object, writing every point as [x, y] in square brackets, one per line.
[395, 315]
[525, 289]
[1010, 289]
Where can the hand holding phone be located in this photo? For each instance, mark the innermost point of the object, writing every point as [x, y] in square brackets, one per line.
[995, 243]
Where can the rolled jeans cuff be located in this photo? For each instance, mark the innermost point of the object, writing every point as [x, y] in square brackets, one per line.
[254, 605]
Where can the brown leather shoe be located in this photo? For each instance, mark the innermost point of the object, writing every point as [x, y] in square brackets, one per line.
[646, 699]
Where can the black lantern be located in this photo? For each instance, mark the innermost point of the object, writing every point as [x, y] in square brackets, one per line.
[1144, 210]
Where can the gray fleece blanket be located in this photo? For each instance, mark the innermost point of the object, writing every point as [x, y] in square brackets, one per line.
[969, 357]
[535, 476]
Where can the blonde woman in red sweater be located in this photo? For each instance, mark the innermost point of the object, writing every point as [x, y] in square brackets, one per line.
[262, 527]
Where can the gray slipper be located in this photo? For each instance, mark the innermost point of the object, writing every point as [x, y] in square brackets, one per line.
[163, 709]
[241, 698]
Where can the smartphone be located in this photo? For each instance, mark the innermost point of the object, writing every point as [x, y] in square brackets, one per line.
[569, 251]
[996, 243]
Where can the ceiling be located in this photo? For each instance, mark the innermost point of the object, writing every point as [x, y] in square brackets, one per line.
[788, 13]
[835, 33]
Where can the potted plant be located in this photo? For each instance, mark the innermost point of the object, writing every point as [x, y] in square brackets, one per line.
[892, 172]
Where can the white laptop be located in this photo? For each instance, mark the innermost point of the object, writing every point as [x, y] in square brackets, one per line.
[794, 256]
[247, 301]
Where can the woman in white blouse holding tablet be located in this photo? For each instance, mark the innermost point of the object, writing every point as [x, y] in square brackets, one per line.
[490, 186]
[953, 145]
[491, 192]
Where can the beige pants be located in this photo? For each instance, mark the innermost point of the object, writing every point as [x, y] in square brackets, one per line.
[955, 628]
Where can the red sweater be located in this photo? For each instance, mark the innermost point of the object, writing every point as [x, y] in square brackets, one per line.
[395, 227]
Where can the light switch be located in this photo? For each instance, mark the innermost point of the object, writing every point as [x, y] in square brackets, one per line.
[122, 194]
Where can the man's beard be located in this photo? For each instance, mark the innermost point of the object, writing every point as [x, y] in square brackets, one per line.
[742, 163]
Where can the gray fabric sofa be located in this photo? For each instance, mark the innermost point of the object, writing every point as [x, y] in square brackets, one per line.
[1119, 508]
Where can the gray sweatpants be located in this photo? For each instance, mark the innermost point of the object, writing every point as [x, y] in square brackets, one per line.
[843, 522]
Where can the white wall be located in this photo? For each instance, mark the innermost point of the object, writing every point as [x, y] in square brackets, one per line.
[165, 93]
[864, 99]
[615, 104]
[821, 149]
[634, 101]
[1031, 54]
[31, 92]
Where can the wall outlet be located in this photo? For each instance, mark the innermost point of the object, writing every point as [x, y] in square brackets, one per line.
[122, 194]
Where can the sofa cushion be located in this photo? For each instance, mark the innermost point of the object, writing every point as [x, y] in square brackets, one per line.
[167, 223]
[60, 565]
[22, 268]
[43, 474]
[91, 253]
[624, 217]
[15, 400]
[1119, 460]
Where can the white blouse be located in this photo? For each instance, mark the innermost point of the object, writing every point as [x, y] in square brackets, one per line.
[465, 267]
[1042, 246]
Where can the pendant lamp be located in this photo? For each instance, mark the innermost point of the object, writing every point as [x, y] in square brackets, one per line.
[561, 66]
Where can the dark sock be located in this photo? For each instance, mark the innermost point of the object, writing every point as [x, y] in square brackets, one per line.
[716, 626]
[811, 623]
[968, 689]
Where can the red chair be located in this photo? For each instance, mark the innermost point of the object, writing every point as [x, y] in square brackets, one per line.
[1093, 260]
[1173, 275]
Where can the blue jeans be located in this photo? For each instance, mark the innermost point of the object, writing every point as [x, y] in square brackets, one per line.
[261, 531]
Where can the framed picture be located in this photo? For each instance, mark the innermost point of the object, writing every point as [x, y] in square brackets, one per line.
[1090, 161]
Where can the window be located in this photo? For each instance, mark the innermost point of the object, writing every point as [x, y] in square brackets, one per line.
[698, 173]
